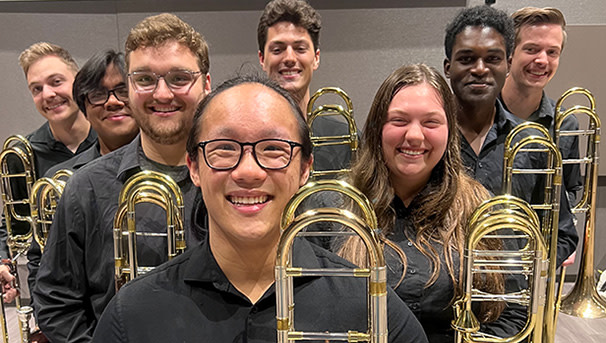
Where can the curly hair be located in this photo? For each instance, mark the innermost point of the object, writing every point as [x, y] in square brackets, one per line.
[484, 16]
[156, 30]
[298, 12]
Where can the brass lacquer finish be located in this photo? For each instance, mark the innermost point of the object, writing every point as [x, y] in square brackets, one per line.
[19, 148]
[160, 190]
[350, 139]
[375, 273]
[584, 301]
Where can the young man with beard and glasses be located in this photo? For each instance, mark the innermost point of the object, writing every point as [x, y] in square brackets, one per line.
[49, 71]
[167, 64]
[478, 44]
[289, 52]
[223, 290]
[101, 92]
[539, 41]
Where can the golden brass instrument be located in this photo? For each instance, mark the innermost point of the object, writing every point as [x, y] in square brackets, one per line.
[350, 139]
[375, 273]
[158, 189]
[496, 214]
[550, 207]
[46, 193]
[584, 300]
[18, 147]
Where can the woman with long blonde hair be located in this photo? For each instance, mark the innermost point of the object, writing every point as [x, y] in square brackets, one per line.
[410, 168]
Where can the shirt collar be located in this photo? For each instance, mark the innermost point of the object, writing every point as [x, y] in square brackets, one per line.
[129, 165]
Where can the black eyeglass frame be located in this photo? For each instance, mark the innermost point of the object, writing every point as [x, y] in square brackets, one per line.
[195, 75]
[293, 145]
[107, 95]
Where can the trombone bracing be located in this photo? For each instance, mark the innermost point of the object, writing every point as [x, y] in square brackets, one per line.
[350, 139]
[584, 300]
[375, 273]
[18, 243]
[158, 189]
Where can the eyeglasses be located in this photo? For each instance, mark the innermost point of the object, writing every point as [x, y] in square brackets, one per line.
[179, 81]
[225, 154]
[101, 96]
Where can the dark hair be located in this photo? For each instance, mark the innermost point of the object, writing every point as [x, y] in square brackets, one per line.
[483, 16]
[93, 71]
[298, 12]
[192, 141]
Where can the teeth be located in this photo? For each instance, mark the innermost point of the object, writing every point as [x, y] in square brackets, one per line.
[412, 152]
[290, 73]
[54, 106]
[537, 73]
[248, 200]
[165, 109]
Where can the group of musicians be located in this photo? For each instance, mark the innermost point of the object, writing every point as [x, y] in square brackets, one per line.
[429, 156]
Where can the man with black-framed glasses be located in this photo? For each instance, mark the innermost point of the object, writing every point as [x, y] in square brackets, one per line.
[167, 66]
[101, 93]
[223, 290]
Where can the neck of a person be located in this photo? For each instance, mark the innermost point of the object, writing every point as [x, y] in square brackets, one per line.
[519, 100]
[475, 120]
[71, 132]
[249, 267]
[302, 98]
[172, 154]
[408, 189]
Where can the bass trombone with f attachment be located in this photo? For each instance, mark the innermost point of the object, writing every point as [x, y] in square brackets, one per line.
[349, 139]
[17, 148]
[146, 187]
[375, 274]
[535, 260]
[584, 301]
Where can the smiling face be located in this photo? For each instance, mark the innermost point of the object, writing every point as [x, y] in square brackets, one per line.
[50, 82]
[478, 66]
[289, 57]
[414, 137]
[112, 121]
[164, 116]
[245, 203]
[537, 55]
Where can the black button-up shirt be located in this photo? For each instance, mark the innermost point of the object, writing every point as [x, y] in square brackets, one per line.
[76, 277]
[432, 305]
[487, 168]
[189, 299]
[47, 152]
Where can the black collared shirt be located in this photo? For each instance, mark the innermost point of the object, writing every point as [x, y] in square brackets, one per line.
[331, 157]
[189, 299]
[47, 152]
[76, 277]
[432, 305]
[569, 145]
[487, 168]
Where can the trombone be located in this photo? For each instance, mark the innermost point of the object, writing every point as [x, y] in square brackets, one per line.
[18, 243]
[158, 189]
[496, 214]
[375, 273]
[584, 301]
[46, 193]
[350, 139]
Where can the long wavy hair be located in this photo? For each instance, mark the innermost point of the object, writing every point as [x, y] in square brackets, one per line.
[443, 211]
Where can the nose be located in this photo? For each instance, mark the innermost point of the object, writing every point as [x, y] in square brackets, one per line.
[248, 173]
[541, 58]
[48, 91]
[414, 134]
[479, 67]
[290, 56]
[113, 103]
[163, 93]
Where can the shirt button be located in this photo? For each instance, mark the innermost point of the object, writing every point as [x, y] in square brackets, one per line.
[412, 270]
[414, 307]
[480, 165]
[409, 243]
[254, 310]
